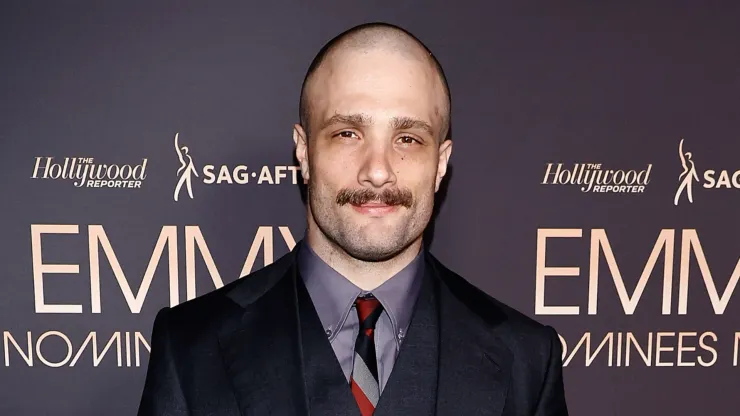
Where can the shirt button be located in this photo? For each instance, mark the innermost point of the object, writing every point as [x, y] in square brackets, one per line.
[328, 332]
[401, 335]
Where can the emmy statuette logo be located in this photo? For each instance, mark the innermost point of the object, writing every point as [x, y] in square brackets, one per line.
[186, 170]
[687, 177]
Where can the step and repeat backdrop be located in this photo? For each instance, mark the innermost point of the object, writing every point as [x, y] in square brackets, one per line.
[595, 183]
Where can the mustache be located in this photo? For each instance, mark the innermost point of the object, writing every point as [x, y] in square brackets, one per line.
[389, 197]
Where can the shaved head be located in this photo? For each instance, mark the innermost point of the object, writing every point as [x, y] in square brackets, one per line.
[365, 38]
[376, 107]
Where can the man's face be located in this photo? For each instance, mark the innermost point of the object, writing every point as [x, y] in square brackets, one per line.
[375, 157]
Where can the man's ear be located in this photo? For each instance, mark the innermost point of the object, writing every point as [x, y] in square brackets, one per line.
[301, 150]
[445, 151]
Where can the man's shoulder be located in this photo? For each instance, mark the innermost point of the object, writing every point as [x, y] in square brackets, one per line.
[505, 320]
[225, 302]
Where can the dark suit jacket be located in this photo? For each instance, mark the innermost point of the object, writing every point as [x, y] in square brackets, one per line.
[256, 347]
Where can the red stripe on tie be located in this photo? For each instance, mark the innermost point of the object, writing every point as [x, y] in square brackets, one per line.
[366, 408]
[365, 307]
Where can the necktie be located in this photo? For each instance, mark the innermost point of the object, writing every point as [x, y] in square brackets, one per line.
[364, 381]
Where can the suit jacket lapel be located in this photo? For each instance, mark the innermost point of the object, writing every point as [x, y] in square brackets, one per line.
[327, 388]
[412, 386]
[474, 365]
[276, 353]
[260, 347]
[450, 357]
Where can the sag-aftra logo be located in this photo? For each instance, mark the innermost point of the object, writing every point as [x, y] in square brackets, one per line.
[212, 174]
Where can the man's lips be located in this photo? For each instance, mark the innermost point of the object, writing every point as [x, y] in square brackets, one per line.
[374, 204]
[374, 208]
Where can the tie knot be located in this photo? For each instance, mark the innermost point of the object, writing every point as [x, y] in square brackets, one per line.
[368, 310]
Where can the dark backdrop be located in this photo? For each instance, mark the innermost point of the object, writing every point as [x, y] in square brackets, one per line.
[586, 87]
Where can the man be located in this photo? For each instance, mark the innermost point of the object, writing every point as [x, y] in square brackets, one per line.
[359, 318]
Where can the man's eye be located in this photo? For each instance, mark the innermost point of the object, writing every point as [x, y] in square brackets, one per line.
[407, 140]
[347, 134]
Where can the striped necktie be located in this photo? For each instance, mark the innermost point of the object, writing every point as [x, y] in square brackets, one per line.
[364, 380]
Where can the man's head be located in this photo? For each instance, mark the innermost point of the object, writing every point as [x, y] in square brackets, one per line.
[372, 140]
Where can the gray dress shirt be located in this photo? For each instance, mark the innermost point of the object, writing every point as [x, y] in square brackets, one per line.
[333, 297]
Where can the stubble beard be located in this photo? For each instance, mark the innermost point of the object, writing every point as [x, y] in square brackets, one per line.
[341, 231]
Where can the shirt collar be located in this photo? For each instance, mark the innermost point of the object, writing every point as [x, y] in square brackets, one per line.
[333, 294]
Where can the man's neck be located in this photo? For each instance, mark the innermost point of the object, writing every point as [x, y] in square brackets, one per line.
[367, 275]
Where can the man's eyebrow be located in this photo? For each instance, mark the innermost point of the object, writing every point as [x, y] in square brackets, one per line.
[407, 123]
[364, 120]
[357, 120]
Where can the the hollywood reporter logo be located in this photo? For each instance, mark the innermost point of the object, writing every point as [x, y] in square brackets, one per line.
[86, 172]
[223, 174]
[592, 177]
